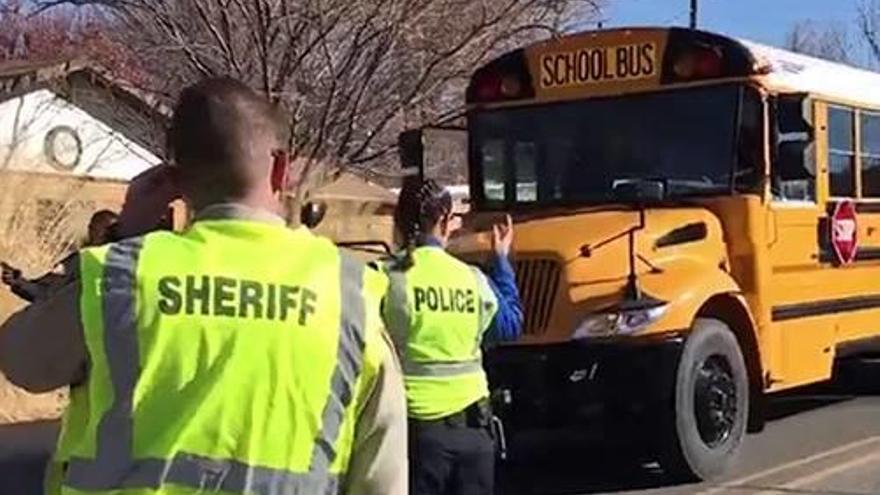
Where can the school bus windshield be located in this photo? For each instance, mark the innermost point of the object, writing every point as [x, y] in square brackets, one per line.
[699, 141]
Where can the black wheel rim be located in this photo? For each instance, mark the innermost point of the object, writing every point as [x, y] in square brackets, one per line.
[715, 404]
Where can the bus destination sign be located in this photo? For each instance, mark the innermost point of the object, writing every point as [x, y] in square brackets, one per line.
[592, 65]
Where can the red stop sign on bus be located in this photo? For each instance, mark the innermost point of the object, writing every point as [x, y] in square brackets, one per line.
[845, 232]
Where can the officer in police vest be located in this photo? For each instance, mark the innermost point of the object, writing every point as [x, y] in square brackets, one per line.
[239, 356]
[439, 311]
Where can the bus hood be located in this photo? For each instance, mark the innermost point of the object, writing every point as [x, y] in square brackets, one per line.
[575, 265]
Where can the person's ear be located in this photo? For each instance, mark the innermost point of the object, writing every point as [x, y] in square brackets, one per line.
[280, 172]
[297, 171]
[455, 223]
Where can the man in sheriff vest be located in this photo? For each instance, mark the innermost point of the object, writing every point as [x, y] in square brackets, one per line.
[239, 357]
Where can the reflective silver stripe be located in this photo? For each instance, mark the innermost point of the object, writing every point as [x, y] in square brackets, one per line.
[349, 359]
[487, 300]
[439, 369]
[396, 310]
[114, 466]
[115, 431]
[230, 476]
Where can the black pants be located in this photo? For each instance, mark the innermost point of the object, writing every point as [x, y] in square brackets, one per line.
[450, 459]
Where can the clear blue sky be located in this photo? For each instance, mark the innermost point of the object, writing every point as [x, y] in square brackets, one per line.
[766, 21]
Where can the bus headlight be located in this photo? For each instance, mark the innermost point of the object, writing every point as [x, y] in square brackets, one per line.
[621, 322]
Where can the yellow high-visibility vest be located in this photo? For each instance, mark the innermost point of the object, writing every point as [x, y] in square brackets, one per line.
[437, 312]
[231, 359]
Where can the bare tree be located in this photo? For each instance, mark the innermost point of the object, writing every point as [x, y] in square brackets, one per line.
[30, 35]
[350, 74]
[869, 23]
[829, 41]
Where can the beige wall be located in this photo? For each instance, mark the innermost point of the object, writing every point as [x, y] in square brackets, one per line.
[357, 221]
[350, 221]
[42, 216]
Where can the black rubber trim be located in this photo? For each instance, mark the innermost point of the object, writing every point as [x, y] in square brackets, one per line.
[861, 207]
[827, 307]
[868, 207]
[864, 254]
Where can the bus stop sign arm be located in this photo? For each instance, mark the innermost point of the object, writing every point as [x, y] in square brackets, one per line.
[411, 148]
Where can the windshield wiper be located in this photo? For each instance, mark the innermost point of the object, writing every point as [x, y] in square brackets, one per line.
[682, 187]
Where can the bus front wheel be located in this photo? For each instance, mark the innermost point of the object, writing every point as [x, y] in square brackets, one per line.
[704, 428]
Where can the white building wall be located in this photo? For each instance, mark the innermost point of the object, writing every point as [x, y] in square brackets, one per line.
[25, 122]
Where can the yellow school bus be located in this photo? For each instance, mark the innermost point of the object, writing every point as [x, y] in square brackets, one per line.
[697, 226]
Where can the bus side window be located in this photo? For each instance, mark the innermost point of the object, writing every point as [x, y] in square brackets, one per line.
[870, 152]
[841, 152]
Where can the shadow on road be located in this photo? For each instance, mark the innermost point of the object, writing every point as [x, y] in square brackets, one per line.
[581, 471]
[806, 399]
[853, 378]
[555, 470]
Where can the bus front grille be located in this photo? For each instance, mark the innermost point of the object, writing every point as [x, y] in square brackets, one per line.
[538, 281]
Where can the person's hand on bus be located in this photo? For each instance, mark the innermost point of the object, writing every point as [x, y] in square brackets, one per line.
[502, 237]
[147, 200]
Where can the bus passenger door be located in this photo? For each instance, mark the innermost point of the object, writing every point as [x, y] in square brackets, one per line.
[801, 344]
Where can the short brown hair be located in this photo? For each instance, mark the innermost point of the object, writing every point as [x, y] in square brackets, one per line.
[219, 129]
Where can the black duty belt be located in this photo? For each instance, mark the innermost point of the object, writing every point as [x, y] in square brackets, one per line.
[477, 415]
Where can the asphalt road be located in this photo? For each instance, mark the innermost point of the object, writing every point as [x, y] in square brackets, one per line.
[824, 440]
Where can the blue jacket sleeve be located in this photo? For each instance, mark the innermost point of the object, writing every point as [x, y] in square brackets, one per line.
[508, 321]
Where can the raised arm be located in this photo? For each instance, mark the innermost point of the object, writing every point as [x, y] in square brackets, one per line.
[508, 321]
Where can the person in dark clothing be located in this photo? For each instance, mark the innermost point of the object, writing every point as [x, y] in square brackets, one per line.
[30, 290]
[439, 311]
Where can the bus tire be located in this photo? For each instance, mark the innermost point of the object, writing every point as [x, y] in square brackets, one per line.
[705, 427]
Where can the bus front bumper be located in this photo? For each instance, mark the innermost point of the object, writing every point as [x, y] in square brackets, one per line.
[584, 384]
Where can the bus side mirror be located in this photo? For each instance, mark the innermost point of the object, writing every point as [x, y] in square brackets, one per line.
[312, 214]
[795, 161]
[411, 148]
[794, 135]
[794, 117]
